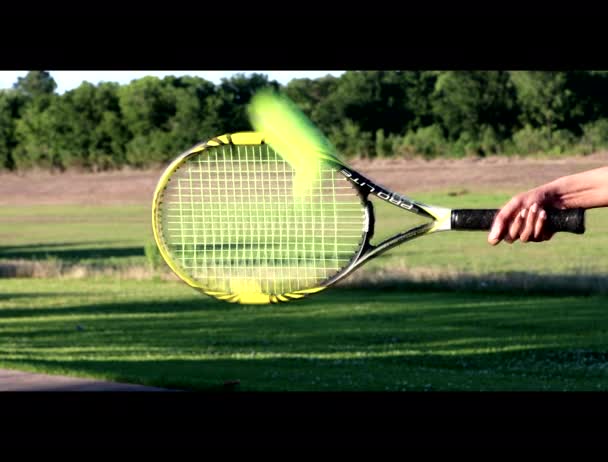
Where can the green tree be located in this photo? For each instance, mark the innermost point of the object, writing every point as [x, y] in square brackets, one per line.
[350, 140]
[372, 99]
[36, 83]
[147, 106]
[11, 104]
[38, 87]
[310, 95]
[376, 103]
[228, 105]
[89, 127]
[192, 121]
[467, 103]
[36, 135]
[419, 87]
[109, 135]
[544, 98]
[82, 127]
[589, 100]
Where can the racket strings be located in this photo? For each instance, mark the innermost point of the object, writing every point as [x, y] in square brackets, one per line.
[231, 221]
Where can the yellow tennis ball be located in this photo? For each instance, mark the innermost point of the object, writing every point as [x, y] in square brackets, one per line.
[293, 136]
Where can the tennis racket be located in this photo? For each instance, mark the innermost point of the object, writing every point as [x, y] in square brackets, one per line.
[229, 222]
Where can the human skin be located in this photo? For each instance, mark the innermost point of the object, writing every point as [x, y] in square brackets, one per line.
[523, 217]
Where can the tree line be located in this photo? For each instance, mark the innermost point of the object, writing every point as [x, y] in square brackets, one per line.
[364, 113]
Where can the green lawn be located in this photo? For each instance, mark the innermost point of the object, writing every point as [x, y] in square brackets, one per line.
[165, 334]
[98, 235]
[116, 235]
[406, 336]
[468, 251]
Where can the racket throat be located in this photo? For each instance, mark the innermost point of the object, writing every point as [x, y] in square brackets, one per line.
[371, 251]
[442, 217]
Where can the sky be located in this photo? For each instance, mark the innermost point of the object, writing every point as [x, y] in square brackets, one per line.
[67, 80]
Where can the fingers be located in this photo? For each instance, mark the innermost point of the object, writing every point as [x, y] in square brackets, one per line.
[527, 225]
[495, 235]
[515, 227]
[534, 230]
[503, 221]
[522, 218]
[532, 226]
[538, 227]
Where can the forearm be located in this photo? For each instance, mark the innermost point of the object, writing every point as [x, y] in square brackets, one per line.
[587, 189]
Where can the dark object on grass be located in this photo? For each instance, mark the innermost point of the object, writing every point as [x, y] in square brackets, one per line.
[231, 384]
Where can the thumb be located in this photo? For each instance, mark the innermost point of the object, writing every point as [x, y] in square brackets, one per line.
[504, 215]
[496, 230]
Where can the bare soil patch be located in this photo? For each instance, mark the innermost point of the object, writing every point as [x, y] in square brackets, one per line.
[499, 174]
[408, 176]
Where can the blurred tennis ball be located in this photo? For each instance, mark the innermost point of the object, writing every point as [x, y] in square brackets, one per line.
[293, 136]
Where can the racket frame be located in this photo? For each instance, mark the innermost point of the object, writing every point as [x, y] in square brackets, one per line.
[441, 219]
[363, 186]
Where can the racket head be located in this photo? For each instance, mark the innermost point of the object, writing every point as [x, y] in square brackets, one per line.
[227, 222]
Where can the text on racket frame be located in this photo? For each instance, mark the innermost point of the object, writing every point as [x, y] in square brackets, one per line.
[378, 191]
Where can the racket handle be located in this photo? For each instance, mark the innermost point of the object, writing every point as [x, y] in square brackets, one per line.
[570, 220]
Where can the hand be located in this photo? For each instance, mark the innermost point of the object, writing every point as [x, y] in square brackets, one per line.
[523, 218]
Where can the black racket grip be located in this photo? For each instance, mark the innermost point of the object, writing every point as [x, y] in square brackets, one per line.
[570, 220]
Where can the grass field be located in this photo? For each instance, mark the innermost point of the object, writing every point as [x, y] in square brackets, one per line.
[396, 325]
[114, 236]
[164, 334]
[74, 233]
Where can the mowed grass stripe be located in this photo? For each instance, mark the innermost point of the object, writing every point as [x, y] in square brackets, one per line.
[165, 334]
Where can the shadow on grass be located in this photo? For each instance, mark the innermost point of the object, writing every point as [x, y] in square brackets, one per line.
[34, 295]
[51, 245]
[533, 369]
[345, 340]
[59, 251]
[523, 282]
